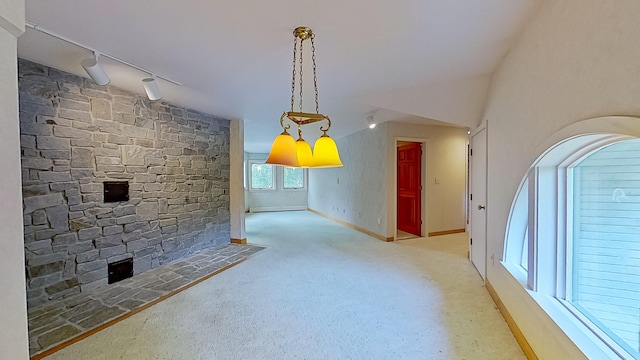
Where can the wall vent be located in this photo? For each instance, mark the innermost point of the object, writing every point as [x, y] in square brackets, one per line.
[115, 191]
[120, 270]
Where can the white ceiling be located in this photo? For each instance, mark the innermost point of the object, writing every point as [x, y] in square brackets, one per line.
[425, 61]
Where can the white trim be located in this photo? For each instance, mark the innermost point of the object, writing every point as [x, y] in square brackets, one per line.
[482, 126]
[255, 209]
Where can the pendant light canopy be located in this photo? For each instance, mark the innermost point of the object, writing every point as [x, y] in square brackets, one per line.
[286, 150]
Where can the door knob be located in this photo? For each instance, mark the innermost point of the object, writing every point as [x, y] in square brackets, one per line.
[480, 207]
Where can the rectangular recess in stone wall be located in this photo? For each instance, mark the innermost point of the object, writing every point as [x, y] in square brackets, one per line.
[120, 270]
[115, 191]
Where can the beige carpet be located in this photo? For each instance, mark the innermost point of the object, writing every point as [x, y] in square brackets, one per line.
[403, 235]
[320, 291]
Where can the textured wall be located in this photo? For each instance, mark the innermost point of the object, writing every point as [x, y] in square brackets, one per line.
[74, 136]
[355, 193]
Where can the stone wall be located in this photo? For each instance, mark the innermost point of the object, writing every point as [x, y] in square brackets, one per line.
[74, 136]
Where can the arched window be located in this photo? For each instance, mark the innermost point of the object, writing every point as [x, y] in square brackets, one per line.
[573, 236]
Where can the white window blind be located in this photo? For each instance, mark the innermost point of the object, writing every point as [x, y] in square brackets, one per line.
[605, 282]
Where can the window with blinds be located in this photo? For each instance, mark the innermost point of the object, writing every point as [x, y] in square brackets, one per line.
[604, 281]
[573, 235]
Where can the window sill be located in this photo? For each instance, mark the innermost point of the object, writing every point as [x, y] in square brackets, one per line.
[589, 341]
[295, 190]
[261, 190]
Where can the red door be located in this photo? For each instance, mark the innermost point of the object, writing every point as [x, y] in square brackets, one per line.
[409, 188]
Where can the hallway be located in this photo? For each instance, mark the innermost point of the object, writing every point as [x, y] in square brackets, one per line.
[320, 291]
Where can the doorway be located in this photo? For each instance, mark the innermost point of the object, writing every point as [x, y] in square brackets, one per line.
[409, 190]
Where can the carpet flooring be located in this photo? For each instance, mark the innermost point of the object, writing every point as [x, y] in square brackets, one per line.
[320, 291]
[65, 320]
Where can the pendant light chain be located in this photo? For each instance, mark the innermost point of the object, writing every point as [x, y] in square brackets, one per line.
[315, 77]
[293, 78]
[301, 71]
[301, 49]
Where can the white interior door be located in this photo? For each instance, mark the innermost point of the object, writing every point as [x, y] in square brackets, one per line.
[478, 177]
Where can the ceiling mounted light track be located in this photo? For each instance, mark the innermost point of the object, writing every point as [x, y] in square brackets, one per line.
[287, 151]
[97, 73]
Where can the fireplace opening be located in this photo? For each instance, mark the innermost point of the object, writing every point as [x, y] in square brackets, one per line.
[120, 270]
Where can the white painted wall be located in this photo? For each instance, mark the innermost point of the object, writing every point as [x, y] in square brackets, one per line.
[577, 59]
[236, 179]
[366, 188]
[278, 199]
[12, 17]
[13, 309]
[245, 174]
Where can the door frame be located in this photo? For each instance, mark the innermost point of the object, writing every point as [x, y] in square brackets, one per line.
[423, 182]
[484, 126]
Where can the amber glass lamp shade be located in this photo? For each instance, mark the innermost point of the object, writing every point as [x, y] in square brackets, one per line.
[283, 151]
[305, 156]
[325, 153]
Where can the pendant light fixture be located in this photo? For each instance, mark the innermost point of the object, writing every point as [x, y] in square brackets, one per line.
[286, 150]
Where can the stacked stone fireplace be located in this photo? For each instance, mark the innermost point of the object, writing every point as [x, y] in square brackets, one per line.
[75, 136]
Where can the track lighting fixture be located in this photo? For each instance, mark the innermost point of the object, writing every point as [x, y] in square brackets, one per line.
[152, 89]
[371, 121]
[95, 71]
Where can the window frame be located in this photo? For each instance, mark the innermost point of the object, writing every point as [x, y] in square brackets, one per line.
[589, 319]
[304, 180]
[549, 275]
[273, 176]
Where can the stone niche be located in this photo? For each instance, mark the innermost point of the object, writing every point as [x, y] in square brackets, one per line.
[76, 135]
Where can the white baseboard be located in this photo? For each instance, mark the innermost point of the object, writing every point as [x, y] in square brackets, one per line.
[255, 209]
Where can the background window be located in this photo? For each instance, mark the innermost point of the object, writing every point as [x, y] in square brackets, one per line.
[262, 176]
[293, 178]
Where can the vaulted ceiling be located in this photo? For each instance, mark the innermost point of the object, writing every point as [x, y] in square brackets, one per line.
[419, 61]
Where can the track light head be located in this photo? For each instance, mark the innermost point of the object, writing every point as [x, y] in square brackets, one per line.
[152, 89]
[371, 121]
[95, 71]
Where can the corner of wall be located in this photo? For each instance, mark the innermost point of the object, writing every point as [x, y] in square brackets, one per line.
[13, 312]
